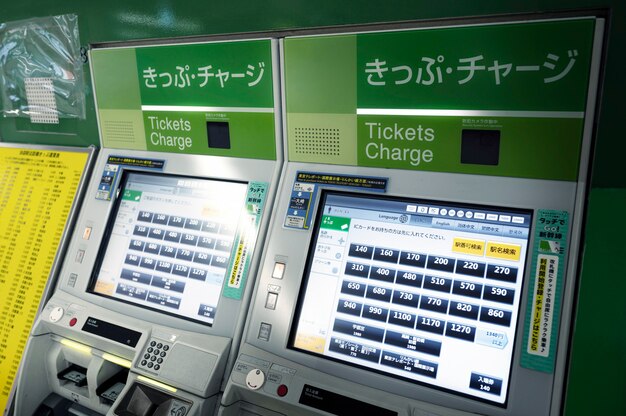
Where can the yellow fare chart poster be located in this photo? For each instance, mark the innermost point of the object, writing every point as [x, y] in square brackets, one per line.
[37, 189]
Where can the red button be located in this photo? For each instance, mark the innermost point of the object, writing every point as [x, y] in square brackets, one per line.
[73, 321]
[282, 390]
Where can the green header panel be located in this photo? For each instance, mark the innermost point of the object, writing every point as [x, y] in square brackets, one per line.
[204, 98]
[471, 99]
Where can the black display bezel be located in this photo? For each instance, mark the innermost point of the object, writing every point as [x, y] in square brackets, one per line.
[307, 272]
[104, 243]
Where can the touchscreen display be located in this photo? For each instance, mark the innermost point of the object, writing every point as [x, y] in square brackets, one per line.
[421, 290]
[168, 243]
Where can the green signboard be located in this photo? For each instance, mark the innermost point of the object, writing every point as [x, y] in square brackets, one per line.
[202, 98]
[471, 99]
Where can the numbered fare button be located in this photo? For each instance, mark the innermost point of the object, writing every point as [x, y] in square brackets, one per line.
[354, 349]
[156, 233]
[386, 254]
[193, 224]
[141, 230]
[136, 245]
[465, 310]
[180, 270]
[445, 264]
[202, 258]
[470, 289]
[430, 303]
[144, 216]
[413, 343]
[486, 384]
[402, 318]
[401, 297]
[197, 274]
[173, 236]
[164, 266]
[349, 307]
[499, 294]
[358, 330]
[409, 364]
[502, 273]
[357, 269]
[361, 251]
[210, 227]
[353, 288]
[495, 316]
[428, 324]
[176, 221]
[152, 248]
[409, 278]
[376, 313]
[219, 261]
[379, 293]
[470, 268]
[410, 258]
[147, 263]
[189, 239]
[206, 242]
[440, 284]
[383, 273]
[460, 331]
[224, 245]
[184, 254]
[160, 219]
[168, 251]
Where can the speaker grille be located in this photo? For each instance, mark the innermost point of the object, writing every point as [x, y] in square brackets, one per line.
[119, 131]
[316, 141]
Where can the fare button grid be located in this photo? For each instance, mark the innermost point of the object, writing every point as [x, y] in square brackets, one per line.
[415, 295]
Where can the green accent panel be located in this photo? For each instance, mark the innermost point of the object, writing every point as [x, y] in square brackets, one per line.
[322, 138]
[335, 223]
[251, 134]
[596, 375]
[122, 129]
[131, 195]
[320, 75]
[228, 74]
[529, 147]
[114, 88]
[481, 67]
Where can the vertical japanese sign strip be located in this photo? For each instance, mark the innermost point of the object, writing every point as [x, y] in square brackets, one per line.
[246, 239]
[38, 187]
[545, 291]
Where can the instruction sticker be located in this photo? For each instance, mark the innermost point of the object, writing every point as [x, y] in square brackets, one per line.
[541, 327]
[305, 189]
[114, 167]
[246, 240]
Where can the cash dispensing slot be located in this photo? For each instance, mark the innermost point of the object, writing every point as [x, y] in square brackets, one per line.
[88, 380]
[143, 400]
[110, 389]
[73, 375]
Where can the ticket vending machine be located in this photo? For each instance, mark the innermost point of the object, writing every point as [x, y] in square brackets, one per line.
[151, 300]
[422, 254]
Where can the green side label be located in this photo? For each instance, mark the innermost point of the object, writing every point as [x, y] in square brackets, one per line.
[245, 240]
[335, 223]
[545, 292]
